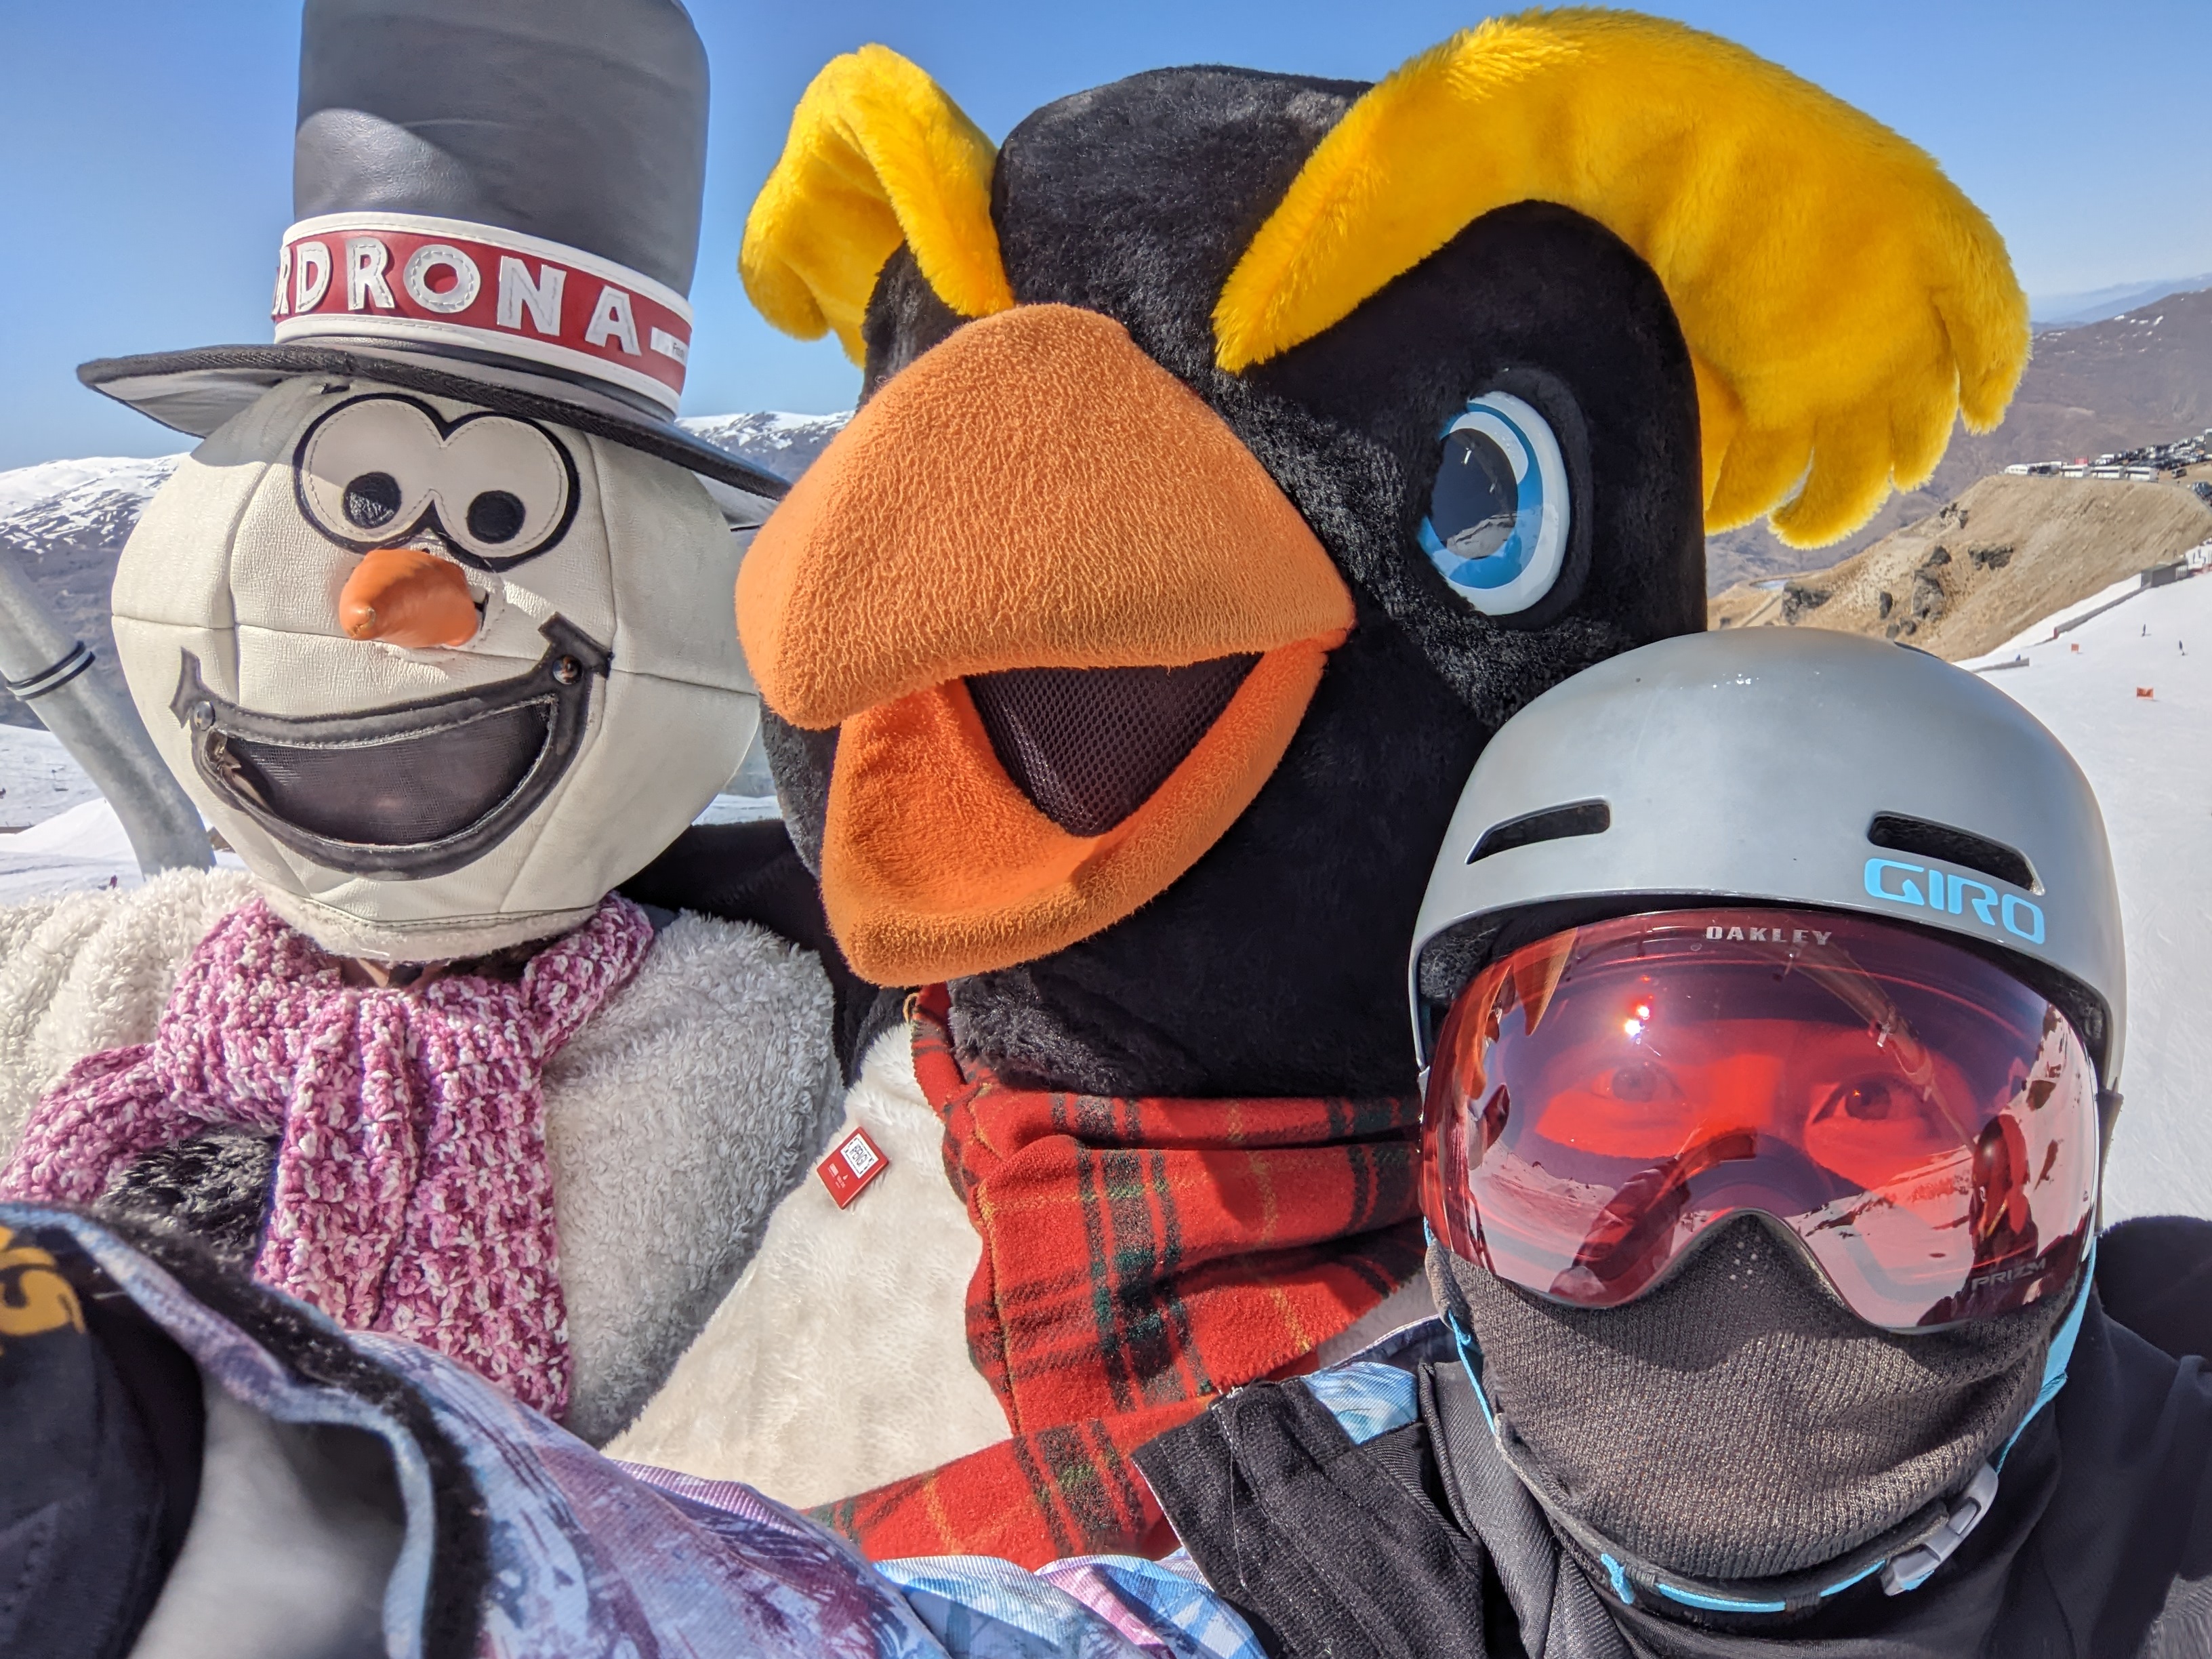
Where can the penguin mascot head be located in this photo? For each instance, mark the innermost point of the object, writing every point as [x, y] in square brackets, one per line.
[1238, 451]
[435, 626]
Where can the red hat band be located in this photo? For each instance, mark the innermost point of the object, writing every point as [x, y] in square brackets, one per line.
[447, 283]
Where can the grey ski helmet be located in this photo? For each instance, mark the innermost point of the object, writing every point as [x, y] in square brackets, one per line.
[1795, 768]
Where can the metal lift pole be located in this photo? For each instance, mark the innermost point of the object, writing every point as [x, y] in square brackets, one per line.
[44, 667]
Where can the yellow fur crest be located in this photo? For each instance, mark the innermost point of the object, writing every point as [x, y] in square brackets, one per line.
[877, 156]
[1842, 298]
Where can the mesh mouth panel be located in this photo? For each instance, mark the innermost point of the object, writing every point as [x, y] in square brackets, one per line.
[1090, 746]
[403, 791]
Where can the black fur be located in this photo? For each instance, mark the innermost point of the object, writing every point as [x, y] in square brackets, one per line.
[1136, 199]
[1542, 302]
[214, 1186]
[1276, 964]
[905, 318]
[800, 762]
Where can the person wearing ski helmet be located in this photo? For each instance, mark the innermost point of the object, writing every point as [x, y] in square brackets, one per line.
[1771, 992]
[1771, 995]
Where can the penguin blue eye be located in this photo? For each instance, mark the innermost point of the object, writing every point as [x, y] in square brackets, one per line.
[1498, 519]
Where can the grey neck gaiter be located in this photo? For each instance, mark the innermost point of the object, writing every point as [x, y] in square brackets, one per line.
[1740, 1422]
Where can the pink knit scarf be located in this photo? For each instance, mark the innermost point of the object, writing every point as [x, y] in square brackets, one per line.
[411, 1193]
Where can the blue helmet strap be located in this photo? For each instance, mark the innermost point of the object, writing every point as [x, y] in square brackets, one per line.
[1906, 1557]
[2062, 1350]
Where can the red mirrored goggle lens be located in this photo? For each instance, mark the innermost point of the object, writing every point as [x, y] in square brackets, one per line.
[1923, 1123]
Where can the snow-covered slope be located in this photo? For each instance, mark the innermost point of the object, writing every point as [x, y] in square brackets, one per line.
[2150, 761]
[38, 779]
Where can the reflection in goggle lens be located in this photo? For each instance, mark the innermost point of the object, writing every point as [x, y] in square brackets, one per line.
[1924, 1124]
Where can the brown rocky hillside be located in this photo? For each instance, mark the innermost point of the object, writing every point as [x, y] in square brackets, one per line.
[2144, 377]
[1964, 579]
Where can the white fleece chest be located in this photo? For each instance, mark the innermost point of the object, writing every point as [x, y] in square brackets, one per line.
[840, 1360]
[674, 1121]
[84, 972]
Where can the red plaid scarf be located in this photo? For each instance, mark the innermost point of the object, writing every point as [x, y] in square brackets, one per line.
[1140, 1256]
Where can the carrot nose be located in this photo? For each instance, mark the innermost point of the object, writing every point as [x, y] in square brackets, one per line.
[405, 596]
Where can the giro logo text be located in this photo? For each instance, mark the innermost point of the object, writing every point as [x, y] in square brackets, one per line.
[1928, 887]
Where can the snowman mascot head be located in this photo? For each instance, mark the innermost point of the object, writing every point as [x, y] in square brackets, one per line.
[436, 626]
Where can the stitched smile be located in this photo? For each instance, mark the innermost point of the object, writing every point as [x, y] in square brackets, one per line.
[412, 790]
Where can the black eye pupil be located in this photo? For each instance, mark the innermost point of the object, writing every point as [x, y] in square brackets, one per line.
[1870, 1100]
[371, 500]
[1635, 1084]
[1473, 506]
[495, 516]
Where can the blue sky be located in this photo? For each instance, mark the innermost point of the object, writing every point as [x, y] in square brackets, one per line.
[148, 147]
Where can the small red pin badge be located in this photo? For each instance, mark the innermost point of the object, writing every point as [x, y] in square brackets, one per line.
[853, 1163]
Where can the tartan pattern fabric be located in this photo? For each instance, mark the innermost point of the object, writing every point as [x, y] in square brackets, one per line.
[1039, 1497]
[1140, 1256]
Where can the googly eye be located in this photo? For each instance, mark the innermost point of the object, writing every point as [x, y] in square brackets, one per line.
[382, 469]
[1498, 515]
[505, 489]
[363, 470]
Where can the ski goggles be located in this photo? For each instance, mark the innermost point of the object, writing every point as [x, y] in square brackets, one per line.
[1924, 1125]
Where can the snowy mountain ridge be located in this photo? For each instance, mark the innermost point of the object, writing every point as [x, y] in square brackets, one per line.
[785, 444]
[2054, 311]
[66, 522]
[94, 496]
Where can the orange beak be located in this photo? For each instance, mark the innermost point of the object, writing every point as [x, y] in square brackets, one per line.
[1034, 493]
[406, 596]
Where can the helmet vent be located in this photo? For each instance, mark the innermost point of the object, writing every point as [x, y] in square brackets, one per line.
[1899, 834]
[1583, 818]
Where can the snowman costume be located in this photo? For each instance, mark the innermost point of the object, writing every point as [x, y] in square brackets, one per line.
[435, 628]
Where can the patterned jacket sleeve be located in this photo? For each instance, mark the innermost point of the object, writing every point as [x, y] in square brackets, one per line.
[519, 1533]
[1091, 1604]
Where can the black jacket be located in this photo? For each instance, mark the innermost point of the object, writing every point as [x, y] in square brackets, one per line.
[2099, 1542]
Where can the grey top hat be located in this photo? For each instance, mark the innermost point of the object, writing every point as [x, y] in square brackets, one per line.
[498, 201]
